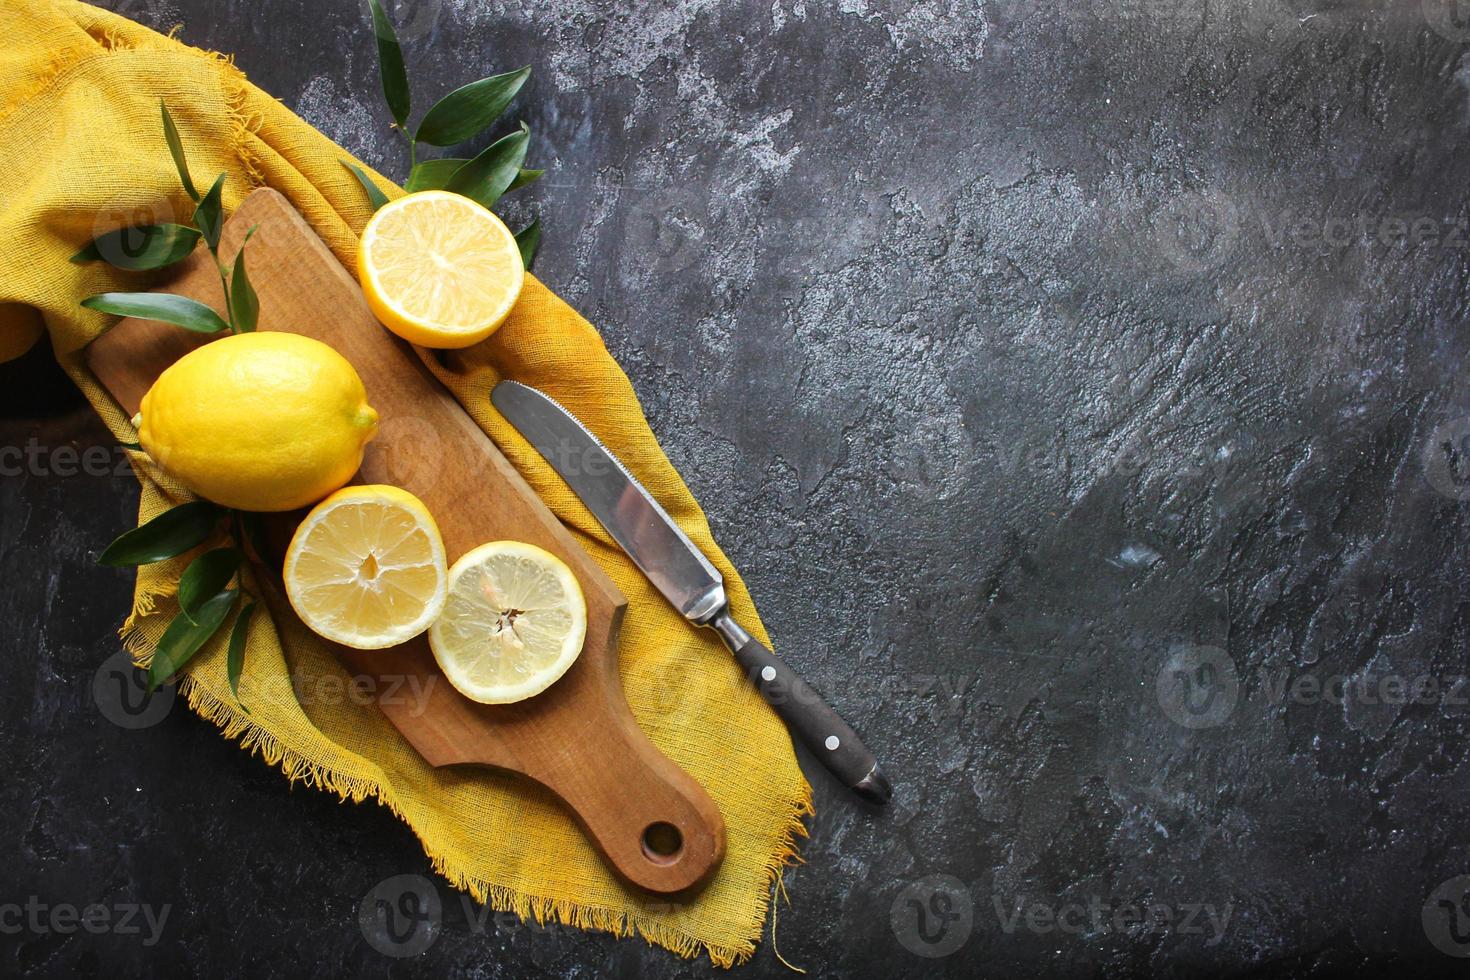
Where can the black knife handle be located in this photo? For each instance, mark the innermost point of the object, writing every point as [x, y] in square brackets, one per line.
[810, 719]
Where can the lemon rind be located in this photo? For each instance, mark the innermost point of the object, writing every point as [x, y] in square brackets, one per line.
[430, 333]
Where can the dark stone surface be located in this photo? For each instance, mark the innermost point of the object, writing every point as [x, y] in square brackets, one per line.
[1049, 370]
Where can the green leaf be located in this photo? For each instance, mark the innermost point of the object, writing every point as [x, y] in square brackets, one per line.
[176, 149]
[390, 65]
[468, 111]
[171, 533]
[374, 194]
[206, 576]
[185, 636]
[244, 303]
[486, 177]
[181, 311]
[209, 215]
[141, 247]
[235, 663]
[523, 178]
[529, 240]
[432, 175]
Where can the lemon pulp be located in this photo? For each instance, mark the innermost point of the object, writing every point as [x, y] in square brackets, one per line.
[514, 622]
[366, 568]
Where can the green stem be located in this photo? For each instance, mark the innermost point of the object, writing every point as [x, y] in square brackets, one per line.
[224, 282]
[413, 148]
[237, 527]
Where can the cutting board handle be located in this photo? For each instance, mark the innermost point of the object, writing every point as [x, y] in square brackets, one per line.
[654, 824]
[651, 820]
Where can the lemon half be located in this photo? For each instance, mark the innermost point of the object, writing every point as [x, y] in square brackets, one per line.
[366, 568]
[439, 270]
[514, 622]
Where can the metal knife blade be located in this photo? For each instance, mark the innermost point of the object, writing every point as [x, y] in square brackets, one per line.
[680, 571]
[629, 513]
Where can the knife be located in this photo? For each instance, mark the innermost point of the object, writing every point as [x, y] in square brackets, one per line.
[684, 576]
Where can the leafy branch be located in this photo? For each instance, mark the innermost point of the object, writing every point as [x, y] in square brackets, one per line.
[459, 116]
[211, 586]
[150, 247]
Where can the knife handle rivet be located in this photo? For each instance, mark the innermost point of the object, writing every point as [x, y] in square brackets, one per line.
[832, 742]
[768, 673]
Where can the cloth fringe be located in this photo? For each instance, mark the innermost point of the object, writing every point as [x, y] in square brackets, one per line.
[234, 724]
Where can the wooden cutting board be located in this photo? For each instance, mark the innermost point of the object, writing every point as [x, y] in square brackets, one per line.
[578, 738]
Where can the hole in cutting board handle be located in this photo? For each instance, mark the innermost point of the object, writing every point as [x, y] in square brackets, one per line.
[662, 842]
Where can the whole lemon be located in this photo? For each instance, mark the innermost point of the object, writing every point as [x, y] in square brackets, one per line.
[258, 421]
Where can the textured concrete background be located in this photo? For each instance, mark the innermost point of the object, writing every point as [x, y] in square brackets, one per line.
[1080, 388]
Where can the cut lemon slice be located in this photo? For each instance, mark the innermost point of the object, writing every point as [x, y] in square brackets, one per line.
[514, 622]
[439, 270]
[366, 567]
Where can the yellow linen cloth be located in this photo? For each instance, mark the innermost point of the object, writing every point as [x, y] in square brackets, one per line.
[83, 151]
